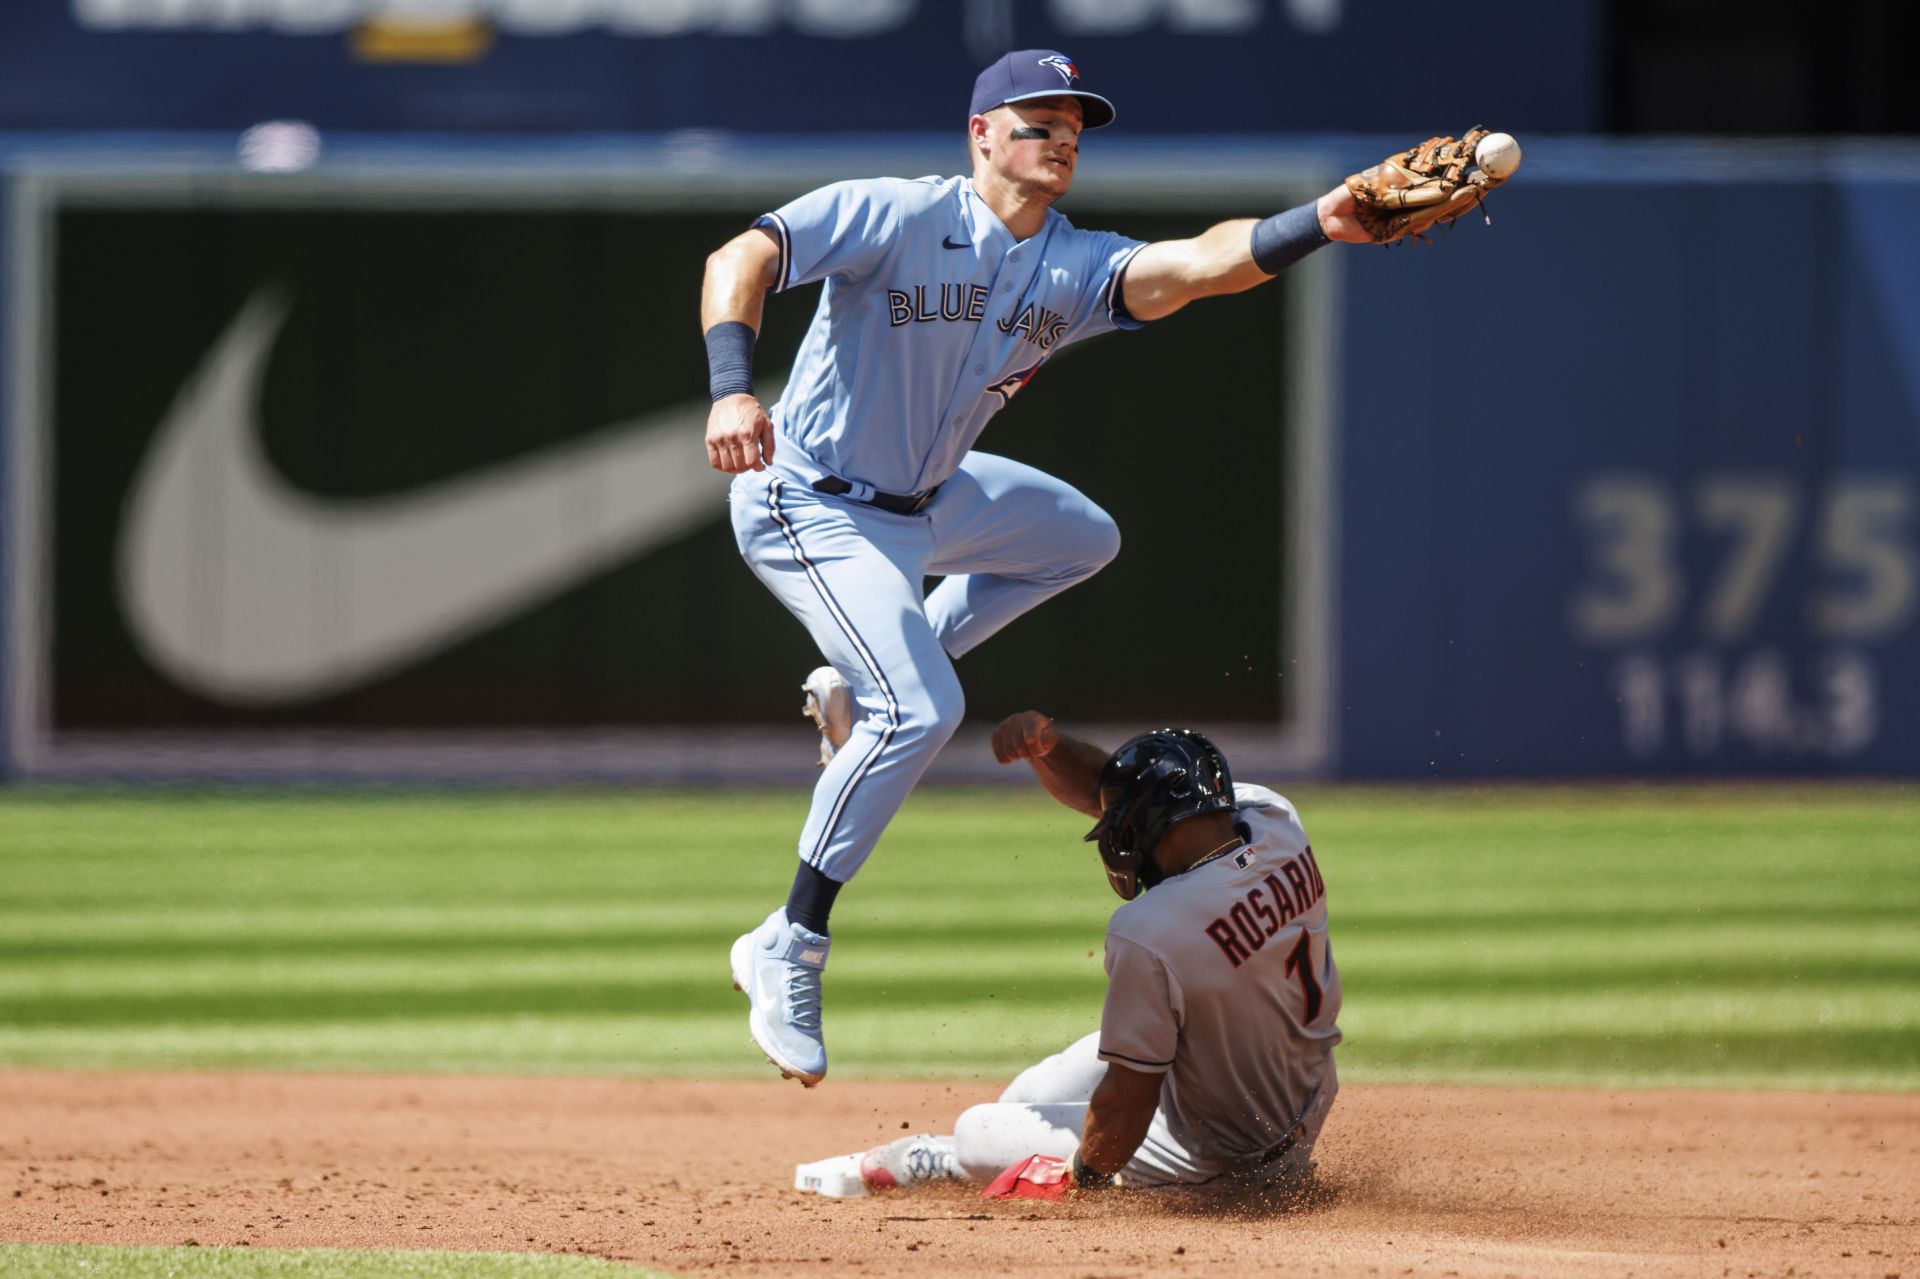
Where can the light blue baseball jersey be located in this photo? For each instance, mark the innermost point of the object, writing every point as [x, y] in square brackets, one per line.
[932, 317]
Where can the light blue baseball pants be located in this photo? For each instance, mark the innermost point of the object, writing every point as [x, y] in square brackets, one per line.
[1004, 535]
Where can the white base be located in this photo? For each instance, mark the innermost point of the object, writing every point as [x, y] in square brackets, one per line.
[836, 1178]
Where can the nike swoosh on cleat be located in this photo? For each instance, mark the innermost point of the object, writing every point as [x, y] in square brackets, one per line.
[947, 243]
[249, 591]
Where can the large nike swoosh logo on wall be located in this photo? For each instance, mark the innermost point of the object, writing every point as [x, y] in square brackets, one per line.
[250, 592]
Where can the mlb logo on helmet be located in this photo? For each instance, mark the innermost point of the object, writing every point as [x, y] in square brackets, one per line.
[1037, 73]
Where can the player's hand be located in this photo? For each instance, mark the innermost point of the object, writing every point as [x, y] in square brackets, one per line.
[1028, 735]
[1336, 217]
[739, 435]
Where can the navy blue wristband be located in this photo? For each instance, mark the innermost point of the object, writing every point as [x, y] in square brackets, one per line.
[730, 359]
[1085, 1178]
[1285, 238]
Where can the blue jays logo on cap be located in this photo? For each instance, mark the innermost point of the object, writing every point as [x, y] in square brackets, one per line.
[1038, 73]
[1063, 64]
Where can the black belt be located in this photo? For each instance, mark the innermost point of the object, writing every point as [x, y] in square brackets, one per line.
[1279, 1149]
[897, 503]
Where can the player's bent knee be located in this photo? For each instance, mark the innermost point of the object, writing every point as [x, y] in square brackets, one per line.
[946, 703]
[992, 1136]
[978, 1146]
[984, 1145]
[948, 712]
[931, 718]
[1095, 544]
[1106, 542]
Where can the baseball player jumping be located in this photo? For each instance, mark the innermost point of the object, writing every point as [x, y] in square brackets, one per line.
[942, 298]
[1214, 1058]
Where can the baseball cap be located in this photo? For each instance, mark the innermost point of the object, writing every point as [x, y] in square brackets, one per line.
[1037, 73]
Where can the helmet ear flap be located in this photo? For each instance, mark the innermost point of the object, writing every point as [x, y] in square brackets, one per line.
[1130, 870]
[1153, 782]
[1119, 853]
[1125, 883]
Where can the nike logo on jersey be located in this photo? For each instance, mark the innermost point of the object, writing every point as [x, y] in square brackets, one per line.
[1036, 324]
[263, 594]
[946, 242]
[957, 302]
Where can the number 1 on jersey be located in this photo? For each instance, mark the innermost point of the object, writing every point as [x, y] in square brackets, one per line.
[1300, 958]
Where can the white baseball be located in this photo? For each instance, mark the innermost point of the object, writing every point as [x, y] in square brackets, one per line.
[1498, 155]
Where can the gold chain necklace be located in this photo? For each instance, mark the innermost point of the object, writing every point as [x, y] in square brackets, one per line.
[1221, 851]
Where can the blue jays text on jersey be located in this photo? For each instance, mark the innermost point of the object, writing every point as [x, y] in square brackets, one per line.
[932, 316]
[1037, 324]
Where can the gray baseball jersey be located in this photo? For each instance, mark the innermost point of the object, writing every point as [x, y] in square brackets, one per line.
[1222, 978]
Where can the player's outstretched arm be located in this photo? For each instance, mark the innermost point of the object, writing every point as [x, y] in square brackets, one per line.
[739, 273]
[1118, 1116]
[1232, 257]
[1068, 767]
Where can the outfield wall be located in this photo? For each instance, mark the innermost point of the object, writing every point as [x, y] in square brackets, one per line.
[1631, 480]
[392, 468]
[1617, 486]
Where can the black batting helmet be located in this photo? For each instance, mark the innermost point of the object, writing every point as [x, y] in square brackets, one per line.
[1153, 782]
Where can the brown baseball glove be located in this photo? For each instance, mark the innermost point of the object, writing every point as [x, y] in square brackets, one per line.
[1409, 193]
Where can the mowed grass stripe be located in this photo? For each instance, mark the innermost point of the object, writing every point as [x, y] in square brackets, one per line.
[1511, 929]
[452, 928]
[421, 931]
[1661, 1001]
[629, 977]
[1886, 939]
[989, 1043]
[631, 965]
[1658, 1002]
[1496, 1014]
[330, 1003]
[1877, 1060]
[994, 1039]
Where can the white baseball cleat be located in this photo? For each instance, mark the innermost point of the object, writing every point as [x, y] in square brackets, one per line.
[911, 1161]
[778, 965]
[830, 707]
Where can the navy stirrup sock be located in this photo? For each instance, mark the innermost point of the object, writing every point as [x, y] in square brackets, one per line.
[811, 899]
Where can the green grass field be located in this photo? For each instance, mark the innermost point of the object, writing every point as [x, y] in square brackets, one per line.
[1738, 936]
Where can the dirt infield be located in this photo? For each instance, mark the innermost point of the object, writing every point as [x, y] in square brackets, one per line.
[696, 1176]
